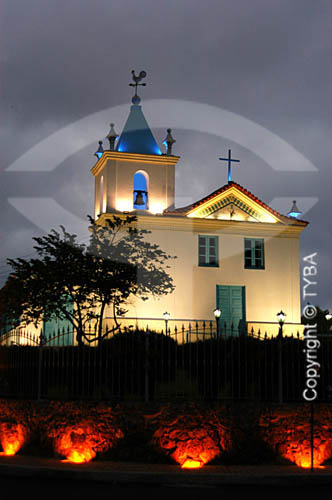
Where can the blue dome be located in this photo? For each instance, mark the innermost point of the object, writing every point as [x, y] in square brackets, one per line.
[136, 136]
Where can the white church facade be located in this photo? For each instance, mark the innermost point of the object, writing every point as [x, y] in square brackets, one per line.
[234, 252]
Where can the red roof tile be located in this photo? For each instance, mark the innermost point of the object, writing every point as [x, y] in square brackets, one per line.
[196, 204]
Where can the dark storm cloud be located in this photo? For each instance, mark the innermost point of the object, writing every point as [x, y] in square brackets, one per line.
[268, 61]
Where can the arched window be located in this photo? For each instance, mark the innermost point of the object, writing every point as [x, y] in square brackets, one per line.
[140, 201]
[101, 194]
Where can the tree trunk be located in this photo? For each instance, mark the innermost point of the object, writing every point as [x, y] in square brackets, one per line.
[100, 325]
[79, 336]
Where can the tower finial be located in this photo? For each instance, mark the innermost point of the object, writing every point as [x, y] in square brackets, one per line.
[294, 211]
[100, 150]
[112, 136]
[169, 141]
[137, 78]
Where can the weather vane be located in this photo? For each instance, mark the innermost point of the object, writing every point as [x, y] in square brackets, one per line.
[137, 79]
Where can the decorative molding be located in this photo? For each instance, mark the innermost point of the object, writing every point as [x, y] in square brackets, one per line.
[135, 157]
[213, 226]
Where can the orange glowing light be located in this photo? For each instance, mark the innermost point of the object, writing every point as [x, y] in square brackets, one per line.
[301, 455]
[12, 437]
[191, 464]
[194, 453]
[77, 444]
[190, 446]
[79, 457]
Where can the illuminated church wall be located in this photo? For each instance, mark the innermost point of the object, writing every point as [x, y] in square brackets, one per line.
[267, 291]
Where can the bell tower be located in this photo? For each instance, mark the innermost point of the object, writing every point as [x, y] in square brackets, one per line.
[133, 175]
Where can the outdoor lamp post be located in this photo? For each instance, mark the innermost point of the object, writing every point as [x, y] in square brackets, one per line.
[166, 318]
[328, 317]
[281, 318]
[217, 314]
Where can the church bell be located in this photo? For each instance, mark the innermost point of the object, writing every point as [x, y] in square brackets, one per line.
[139, 199]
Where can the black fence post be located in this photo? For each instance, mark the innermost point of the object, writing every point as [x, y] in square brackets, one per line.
[40, 361]
[146, 368]
[280, 378]
[312, 434]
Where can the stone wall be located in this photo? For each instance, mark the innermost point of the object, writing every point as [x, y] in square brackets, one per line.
[191, 435]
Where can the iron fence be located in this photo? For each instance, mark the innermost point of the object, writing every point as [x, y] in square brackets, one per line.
[142, 365]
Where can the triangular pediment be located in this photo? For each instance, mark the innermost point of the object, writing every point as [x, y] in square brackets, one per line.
[233, 203]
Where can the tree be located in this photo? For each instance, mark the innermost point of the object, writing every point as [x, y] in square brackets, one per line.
[323, 324]
[117, 263]
[127, 263]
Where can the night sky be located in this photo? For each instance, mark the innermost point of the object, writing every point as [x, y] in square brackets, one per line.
[252, 76]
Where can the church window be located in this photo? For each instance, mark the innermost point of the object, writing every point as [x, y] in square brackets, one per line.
[140, 201]
[208, 251]
[254, 253]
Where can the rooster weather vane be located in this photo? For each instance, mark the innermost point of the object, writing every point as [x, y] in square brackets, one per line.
[137, 78]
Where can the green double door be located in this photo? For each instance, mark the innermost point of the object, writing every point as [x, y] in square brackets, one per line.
[232, 302]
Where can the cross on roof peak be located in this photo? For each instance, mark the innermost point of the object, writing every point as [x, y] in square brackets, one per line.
[229, 160]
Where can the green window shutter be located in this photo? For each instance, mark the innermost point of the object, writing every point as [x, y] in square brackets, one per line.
[254, 253]
[259, 254]
[208, 251]
[247, 254]
[213, 251]
[202, 250]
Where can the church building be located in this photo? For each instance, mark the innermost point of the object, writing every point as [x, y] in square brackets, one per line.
[234, 253]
